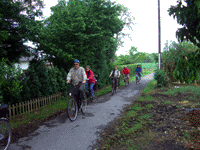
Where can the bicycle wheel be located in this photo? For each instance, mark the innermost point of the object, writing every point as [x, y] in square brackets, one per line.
[116, 86]
[83, 105]
[136, 80]
[113, 87]
[126, 83]
[72, 109]
[95, 94]
[5, 134]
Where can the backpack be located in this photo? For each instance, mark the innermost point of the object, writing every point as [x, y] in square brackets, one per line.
[95, 78]
[113, 72]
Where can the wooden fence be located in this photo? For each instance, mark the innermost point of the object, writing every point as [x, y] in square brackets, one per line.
[32, 105]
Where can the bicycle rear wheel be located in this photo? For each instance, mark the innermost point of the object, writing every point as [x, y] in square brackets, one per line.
[84, 105]
[113, 87]
[72, 109]
[136, 80]
[5, 134]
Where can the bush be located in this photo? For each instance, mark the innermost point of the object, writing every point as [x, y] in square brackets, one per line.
[161, 77]
[10, 85]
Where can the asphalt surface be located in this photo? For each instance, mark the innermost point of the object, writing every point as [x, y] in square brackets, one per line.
[62, 134]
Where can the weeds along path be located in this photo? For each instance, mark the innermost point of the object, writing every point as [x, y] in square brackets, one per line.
[83, 134]
[162, 118]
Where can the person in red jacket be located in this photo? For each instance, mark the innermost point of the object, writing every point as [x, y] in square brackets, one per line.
[91, 80]
[126, 72]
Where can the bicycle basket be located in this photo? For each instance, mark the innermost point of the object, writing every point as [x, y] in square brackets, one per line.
[3, 110]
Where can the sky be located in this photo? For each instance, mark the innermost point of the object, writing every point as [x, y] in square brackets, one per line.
[145, 31]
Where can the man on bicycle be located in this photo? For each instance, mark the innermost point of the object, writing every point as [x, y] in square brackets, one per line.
[125, 73]
[77, 74]
[115, 73]
[138, 70]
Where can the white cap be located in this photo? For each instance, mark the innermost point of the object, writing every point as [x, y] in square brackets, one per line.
[125, 66]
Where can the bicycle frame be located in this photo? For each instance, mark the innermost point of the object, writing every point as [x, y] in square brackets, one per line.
[78, 95]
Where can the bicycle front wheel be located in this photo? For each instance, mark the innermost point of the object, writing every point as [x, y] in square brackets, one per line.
[72, 109]
[5, 134]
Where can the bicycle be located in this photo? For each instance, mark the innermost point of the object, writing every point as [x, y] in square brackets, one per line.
[75, 102]
[137, 78]
[114, 84]
[126, 80]
[5, 129]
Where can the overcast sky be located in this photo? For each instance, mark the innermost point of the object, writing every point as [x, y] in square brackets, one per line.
[145, 32]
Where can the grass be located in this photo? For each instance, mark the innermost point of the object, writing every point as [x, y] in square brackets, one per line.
[188, 89]
[132, 128]
[127, 132]
[59, 106]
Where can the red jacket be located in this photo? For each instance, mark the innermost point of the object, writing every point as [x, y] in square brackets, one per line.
[90, 76]
[125, 71]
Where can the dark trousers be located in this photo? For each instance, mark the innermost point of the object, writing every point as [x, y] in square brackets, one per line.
[116, 81]
[80, 89]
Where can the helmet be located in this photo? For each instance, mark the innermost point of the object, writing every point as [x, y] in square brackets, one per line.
[76, 61]
[125, 66]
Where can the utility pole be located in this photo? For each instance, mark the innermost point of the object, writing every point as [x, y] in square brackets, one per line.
[159, 37]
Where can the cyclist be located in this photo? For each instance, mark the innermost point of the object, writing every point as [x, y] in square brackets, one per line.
[126, 72]
[115, 73]
[77, 74]
[138, 70]
[91, 80]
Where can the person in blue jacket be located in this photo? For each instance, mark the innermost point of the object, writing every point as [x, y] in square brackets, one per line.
[138, 70]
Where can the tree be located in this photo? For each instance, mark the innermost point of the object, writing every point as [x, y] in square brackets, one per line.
[84, 31]
[17, 27]
[188, 16]
[128, 20]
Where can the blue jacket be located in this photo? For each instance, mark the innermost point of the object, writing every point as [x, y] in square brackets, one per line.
[138, 70]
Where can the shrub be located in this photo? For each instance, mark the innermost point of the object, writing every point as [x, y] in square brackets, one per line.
[10, 85]
[161, 78]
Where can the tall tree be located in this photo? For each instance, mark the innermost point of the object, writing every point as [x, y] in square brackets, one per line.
[128, 20]
[188, 16]
[17, 26]
[82, 30]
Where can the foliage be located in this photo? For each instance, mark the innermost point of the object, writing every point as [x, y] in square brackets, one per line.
[134, 57]
[155, 56]
[175, 51]
[43, 76]
[161, 78]
[10, 86]
[188, 16]
[54, 86]
[84, 31]
[34, 83]
[187, 70]
[128, 19]
[17, 27]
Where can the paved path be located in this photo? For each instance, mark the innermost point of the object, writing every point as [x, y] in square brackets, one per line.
[82, 134]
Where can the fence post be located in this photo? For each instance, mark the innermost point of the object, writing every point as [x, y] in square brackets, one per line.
[9, 111]
[36, 103]
[13, 108]
[23, 106]
[28, 106]
[17, 106]
[31, 105]
[20, 108]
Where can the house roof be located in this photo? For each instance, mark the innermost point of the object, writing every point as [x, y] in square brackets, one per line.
[23, 59]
